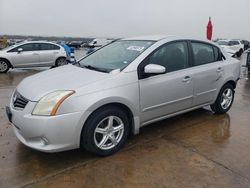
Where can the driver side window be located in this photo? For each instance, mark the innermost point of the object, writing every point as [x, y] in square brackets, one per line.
[173, 56]
[27, 47]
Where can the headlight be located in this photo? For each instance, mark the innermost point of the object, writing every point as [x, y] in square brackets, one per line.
[48, 105]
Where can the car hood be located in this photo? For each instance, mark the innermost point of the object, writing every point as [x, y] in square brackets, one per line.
[67, 77]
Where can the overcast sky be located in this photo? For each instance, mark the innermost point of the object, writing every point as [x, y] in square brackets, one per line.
[123, 18]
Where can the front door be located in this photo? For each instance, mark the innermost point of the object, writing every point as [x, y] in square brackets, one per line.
[170, 92]
[28, 57]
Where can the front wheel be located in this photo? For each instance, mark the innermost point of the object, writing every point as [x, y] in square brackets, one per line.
[106, 131]
[224, 100]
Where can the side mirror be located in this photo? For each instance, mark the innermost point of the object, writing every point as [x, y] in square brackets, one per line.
[154, 69]
[19, 50]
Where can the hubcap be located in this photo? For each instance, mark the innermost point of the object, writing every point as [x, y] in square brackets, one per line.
[109, 132]
[3, 66]
[226, 98]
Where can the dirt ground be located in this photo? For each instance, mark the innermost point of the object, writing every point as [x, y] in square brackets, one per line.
[197, 149]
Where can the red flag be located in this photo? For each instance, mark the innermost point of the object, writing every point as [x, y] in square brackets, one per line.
[209, 29]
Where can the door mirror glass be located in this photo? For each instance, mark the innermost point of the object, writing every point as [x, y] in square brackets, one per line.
[154, 69]
[19, 50]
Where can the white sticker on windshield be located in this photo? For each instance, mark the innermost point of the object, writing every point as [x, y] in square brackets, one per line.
[135, 48]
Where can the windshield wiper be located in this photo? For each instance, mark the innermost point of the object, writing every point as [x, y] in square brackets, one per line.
[95, 68]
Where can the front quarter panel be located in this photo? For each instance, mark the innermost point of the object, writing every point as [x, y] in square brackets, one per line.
[123, 89]
[231, 72]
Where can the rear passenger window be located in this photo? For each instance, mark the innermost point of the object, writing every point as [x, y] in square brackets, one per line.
[205, 53]
[49, 47]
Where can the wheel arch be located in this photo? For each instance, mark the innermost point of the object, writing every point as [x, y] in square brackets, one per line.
[231, 82]
[133, 118]
[60, 57]
[131, 115]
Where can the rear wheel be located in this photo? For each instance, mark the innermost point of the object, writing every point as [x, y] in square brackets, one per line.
[224, 100]
[61, 61]
[106, 131]
[4, 66]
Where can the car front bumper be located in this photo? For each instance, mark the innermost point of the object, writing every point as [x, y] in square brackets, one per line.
[46, 133]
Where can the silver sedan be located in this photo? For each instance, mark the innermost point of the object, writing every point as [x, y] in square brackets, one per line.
[118, 89]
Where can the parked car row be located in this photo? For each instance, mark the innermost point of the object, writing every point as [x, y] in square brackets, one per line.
[76, 44]
[234, 47]
[117, 90]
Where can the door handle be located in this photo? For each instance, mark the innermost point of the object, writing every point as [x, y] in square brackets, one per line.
[219, 69]
[186, 79]
[35, 54]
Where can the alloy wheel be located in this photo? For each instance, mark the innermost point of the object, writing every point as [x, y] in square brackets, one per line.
[226, 98]
[109, 132]
[3, 66]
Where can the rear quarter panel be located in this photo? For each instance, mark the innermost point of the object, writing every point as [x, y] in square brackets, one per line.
[231, 67]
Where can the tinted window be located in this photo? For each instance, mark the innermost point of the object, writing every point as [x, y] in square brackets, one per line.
[45, 46]
[233, 42]
[203, 53]
[27, 47]
[173, 56]
[222, 42]
[217, 54]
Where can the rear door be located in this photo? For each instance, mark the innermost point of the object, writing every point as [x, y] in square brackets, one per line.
[208, 72]
[28, 57]
[48, 54]
[170, 92]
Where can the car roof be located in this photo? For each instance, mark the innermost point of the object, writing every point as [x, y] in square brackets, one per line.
[150, 37]
[38, 41]
[168, 37]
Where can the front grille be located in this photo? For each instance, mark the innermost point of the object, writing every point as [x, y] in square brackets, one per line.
[19, 101]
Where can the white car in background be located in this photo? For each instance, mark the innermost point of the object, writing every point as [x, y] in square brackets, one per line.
[99, 42]
[233, 47]
[32, 54]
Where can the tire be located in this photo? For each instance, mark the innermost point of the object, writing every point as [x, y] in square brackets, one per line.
[224, 100]
[99, 137]
[4, 66]
[60, 62]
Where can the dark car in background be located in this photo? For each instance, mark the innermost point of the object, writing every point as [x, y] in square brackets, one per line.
[75, 44]
[246, 44]
[248, 61]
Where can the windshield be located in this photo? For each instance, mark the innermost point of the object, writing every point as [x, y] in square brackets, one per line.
[12, 46]
[225, 43]
[116, 55]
